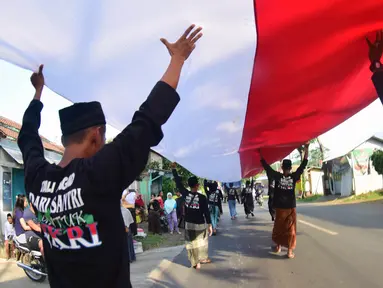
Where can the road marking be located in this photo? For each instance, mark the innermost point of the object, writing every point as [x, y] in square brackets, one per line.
[318, 228]
[314, 226]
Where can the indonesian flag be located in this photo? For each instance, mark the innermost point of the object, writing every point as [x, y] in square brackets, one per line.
[267, 74]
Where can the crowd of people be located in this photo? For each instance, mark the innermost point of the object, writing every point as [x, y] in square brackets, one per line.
[86, 185]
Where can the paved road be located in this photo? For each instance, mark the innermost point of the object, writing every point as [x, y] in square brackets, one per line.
[338, 246]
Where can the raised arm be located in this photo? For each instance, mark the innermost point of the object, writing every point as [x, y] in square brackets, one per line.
[178, 181]
[29, 140]
[269, 171]
[303, 165]
[122, 160]
[375, 55]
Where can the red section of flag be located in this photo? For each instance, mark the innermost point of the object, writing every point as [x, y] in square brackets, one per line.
[311, 73]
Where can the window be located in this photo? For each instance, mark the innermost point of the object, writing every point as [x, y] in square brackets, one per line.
[7, 191]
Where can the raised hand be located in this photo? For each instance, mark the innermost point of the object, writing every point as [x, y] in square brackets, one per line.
[185, 45]
[37, 79]
[375, 50]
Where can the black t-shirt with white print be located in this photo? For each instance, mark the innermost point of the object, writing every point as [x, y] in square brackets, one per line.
[78, 206]
[196, 204]
[284, 190]
[232, 194]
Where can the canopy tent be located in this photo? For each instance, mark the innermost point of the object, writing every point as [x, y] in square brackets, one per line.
[267, 74]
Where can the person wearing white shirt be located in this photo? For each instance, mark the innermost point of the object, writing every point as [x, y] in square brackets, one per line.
[128, 201]
[9, 232]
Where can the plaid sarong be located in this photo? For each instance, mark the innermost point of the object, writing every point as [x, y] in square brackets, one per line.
[196, 237]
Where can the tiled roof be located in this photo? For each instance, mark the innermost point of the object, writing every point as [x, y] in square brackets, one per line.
[8, 133]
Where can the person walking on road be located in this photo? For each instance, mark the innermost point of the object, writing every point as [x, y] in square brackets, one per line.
[214, 196]
[197, 216]
[232, 196]
[247, 198]
[285, 224]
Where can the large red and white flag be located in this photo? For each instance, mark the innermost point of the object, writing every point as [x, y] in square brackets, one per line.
[267, 74]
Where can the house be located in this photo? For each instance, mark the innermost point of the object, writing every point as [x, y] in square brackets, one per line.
[352, 172]
[151, 180]
[11, 165]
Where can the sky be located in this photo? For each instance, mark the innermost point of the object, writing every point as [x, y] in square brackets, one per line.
[16, 93]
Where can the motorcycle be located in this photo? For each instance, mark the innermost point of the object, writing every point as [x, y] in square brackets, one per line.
[259, 196]
[32, 262]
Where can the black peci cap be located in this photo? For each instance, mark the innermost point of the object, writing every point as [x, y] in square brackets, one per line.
[192, 181]
[80, 116]
[286, 164]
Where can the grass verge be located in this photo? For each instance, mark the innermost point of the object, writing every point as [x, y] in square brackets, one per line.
[366, 197]
[154, 241]
[311, 198]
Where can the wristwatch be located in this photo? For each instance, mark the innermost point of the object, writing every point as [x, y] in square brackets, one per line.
[376, 65]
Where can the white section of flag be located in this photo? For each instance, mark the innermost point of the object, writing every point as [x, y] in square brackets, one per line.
[110, 51]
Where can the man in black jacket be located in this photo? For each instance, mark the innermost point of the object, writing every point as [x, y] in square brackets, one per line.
[375, 55]
[78, 201]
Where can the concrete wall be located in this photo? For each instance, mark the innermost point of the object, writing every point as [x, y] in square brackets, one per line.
[343, 187]
[155, 157]
[368, 183]
[316, 182]
[373, 181]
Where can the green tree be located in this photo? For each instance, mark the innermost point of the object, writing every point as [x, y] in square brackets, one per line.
[154, 165]
[182, 172]
[316, 156]
[377, 161]
[168, 185]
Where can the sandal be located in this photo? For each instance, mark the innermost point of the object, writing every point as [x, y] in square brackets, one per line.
[277, 249]
[207, 261]
[197, 267]
[291, 255]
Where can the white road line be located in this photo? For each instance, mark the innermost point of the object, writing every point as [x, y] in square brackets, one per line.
[318, 228]
[315, 226]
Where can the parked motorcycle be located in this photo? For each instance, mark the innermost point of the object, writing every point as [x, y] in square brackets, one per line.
[32, 262]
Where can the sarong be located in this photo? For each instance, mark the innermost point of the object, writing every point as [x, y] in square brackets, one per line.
[196, 238]
[248, 204]
[285, 228]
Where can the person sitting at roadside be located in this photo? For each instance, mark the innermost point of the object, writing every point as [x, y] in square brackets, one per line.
[154, 225]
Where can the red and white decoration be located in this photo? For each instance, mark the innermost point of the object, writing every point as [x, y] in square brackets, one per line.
[267, 74]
